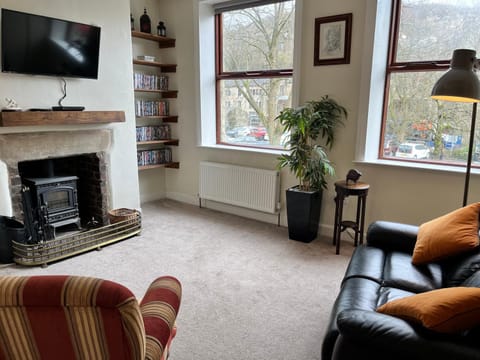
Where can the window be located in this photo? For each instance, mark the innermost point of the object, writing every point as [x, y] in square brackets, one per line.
[424, 34]
[254, 68]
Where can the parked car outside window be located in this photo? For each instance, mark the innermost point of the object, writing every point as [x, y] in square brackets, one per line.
[258, 133]
[412, 151]
[239, 131]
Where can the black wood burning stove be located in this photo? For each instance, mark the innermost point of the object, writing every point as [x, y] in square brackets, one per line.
[50, 203]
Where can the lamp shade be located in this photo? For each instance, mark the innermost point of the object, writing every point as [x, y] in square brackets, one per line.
[460, 83]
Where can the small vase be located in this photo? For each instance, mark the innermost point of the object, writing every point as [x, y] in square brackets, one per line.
[161, 30]
[145, 23]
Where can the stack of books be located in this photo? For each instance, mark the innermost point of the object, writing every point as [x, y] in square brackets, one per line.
[151, 107]
[142, 81]
[155, 132]
[154, 156]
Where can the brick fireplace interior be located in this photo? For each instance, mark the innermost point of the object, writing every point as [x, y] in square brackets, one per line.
[90, 169]
[82, 154]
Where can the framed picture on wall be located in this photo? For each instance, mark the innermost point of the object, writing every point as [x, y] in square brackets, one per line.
[333, 36]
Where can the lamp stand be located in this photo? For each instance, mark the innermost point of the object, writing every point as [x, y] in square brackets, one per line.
[470, 153]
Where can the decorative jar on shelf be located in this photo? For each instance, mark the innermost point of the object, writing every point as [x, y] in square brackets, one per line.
[145, 23]
[161, 30]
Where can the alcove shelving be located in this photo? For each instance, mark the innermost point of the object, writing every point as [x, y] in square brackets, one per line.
[148, 148]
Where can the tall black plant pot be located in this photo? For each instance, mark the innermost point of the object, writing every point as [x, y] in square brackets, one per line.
[303, 214]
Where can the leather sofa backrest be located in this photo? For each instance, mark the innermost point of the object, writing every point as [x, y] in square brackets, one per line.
[459, 268]
[472, 281]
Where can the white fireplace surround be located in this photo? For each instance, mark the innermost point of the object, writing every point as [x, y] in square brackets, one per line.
[15, 148]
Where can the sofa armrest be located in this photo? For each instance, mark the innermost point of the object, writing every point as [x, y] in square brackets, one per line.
[159, 308]
[388, 337]
[392, 236]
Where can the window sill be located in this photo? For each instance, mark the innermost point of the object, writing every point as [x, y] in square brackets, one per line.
[275, 152]
[419, 166]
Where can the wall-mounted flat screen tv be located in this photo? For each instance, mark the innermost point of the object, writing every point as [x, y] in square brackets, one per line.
[41, 45]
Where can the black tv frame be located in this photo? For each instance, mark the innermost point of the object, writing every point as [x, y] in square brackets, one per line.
[52, 50]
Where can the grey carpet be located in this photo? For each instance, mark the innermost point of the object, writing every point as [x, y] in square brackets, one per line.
[248, 291]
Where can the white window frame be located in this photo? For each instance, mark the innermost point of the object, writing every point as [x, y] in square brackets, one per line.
[372, 83]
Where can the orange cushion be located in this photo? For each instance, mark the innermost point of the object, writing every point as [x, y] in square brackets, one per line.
[447, 235]
[448, 310]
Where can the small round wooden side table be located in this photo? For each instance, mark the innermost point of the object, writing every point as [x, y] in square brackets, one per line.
[343, 190]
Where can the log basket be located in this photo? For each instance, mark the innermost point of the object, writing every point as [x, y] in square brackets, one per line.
[122, 214]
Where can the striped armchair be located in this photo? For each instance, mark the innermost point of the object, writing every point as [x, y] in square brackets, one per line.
[73, 317]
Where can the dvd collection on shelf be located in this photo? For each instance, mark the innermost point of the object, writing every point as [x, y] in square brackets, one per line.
[154, 156]
[153, 132]
[151, 107]
[142, 81]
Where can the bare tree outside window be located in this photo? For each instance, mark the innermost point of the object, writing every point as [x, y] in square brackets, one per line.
[254, 78]
[428, 32]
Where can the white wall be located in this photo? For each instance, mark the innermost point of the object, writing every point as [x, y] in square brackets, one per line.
[397, 193]
[112, 90]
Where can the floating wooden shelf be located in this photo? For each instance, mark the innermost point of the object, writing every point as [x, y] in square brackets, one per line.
[172, 165]
[163, 42]
[153, 142]
[166, 68]
[165, 119]
[165, 94]
[35, 118]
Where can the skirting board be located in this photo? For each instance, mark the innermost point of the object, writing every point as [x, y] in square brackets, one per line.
[325, 230]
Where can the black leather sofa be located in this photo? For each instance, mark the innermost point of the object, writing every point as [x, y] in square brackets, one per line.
[380, 271]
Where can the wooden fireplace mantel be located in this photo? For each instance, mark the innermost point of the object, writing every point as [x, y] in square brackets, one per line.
[38, 118]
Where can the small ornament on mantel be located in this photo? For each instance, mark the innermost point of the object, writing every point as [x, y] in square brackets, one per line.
[11, 105]
[145, 23]
[161, 29]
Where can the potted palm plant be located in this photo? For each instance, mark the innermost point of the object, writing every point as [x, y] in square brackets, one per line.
[308, 161]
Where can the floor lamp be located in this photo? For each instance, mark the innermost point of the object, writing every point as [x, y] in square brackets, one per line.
[461, 84]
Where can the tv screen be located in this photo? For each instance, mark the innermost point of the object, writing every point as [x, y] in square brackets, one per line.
[40, 45]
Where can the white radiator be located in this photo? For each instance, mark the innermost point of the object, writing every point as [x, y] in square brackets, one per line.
[247, 187]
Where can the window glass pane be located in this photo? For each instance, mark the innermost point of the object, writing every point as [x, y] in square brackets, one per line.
[249, 108]
[259, 38]
[418, 127]
[432, 29]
